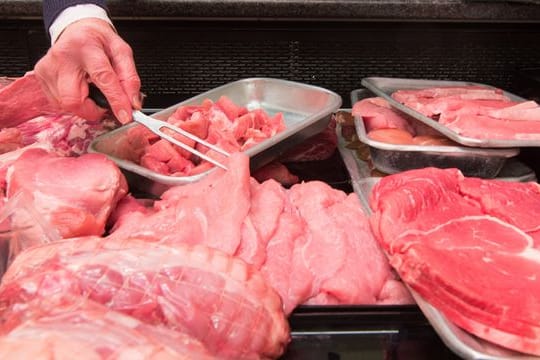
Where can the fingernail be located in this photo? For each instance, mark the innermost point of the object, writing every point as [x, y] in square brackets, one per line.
[123, 116]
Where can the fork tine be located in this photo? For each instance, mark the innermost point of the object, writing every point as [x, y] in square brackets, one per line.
[155, 126]
[190, 149]
[194, 138]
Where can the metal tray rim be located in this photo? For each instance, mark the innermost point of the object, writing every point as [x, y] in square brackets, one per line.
[335, 102]
[372, 84]
[361, 131]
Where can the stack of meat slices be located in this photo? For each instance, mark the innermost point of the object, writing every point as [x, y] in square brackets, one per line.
[468, 246]
[476, 111]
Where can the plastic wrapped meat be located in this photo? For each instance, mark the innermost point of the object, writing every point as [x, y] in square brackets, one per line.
[74, 195]
[85, 330]
[213, 297]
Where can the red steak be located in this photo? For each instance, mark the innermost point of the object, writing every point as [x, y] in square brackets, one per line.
[467, 246]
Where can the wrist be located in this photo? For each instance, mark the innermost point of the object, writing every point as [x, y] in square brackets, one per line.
[76, 13]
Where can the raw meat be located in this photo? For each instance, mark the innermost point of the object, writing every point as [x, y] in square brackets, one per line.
[22, 100]
[230, 127]
[391, 136]
[276, 171]
[486, 127]
[377, 114]
[318, 147]
[334, 244]
[10, 139]
[75, 196]
[202, 292]
[67, 134]
[387, 125]
[528, 110]
[466, 246]
[82, 329]
[210, 211]
[475, 111]
[28, 117]
[285, 233]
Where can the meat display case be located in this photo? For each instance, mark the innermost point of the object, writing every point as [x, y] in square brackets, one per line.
[183, 48]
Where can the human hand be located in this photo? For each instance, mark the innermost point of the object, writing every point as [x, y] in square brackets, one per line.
[89, 50]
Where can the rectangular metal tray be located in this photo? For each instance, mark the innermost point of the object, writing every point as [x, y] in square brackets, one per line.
[384, 87]
[459, 341]
[306, 111]
[393, 158]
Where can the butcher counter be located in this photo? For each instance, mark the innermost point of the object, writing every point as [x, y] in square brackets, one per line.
[183, 48]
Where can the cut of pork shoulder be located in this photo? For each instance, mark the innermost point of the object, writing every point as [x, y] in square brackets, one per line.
[465, 246]
[86, 330]
[213, 297]
[75, 196]
[67, 134]
[22, 100]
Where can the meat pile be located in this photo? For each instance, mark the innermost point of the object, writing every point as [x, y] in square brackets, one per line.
[222, 261]
[210, 270]
[468, 246]
[222, 123]
[387, 125]
[475, 111]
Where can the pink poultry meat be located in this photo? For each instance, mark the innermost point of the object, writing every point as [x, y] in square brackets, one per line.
[202, 292]
[75, 196]
[86, 330]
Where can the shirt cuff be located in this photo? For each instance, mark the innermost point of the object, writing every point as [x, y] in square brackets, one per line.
[75, 13]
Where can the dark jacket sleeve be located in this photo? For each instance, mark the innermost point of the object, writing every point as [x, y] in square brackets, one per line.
[53, 8]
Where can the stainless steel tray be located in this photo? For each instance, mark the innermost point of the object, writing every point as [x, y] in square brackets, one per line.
[306, 110]
[393, 158]
[361, 173]
[384, 87]
[459, 341]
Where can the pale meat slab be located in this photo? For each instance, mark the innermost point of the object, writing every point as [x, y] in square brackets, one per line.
[202, 292]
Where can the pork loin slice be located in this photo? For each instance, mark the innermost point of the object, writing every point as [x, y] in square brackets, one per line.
[459, 243]
[74, 195]
[86, 330]
[338, 237]
[211, 296]
[486, 127]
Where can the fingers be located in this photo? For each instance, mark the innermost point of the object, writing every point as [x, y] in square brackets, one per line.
[89, 50]
[66, 87]
[97, 65]
[122, 62]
